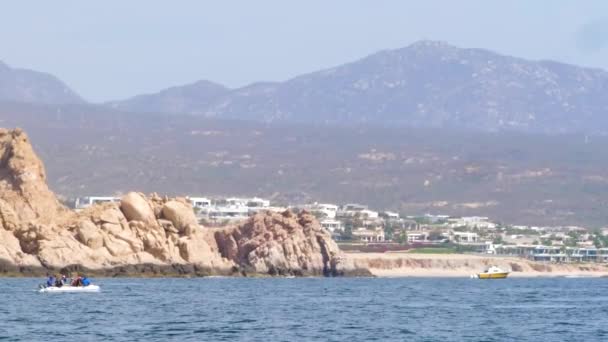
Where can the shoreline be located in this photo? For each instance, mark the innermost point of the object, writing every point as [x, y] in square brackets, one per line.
[412, 265]
[8, 270]
[380, 265]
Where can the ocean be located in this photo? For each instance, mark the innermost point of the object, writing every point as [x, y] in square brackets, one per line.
[309, 309]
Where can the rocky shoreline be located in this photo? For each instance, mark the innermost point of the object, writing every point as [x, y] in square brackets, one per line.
[9, 270]
[146, 235]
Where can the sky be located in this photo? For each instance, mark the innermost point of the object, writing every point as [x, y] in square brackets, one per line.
[108, 50]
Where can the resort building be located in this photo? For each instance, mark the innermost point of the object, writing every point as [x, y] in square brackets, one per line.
[417, 237]
[465, 237]
[589, 255]
[350, 210]
[368, 214]
[479, 222]
[332, 225]
[229, 213]
[200, 202]
[324, 209]
[369, 235]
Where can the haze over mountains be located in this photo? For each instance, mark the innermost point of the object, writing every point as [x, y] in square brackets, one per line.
[22, 85]
[462, 136]
[427, 84]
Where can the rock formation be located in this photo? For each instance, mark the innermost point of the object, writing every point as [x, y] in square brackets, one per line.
[283, 244]
[143, 232]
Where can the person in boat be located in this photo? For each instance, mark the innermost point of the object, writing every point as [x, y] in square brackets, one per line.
[58, 281]
[50, 281]
[77, 281]
[64, 279]
[85, 281]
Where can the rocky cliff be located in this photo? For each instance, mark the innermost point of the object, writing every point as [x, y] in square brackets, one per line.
[145, 233]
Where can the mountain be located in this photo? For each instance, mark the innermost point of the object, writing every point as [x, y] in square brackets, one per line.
[22, 85]
[188, 99]
[427, 84]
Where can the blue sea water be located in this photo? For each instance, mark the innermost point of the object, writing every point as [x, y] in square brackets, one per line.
[309, 309]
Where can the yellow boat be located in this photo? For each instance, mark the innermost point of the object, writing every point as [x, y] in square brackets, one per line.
[493, 272]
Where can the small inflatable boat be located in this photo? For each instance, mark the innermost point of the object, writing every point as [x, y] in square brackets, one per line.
[69, 288]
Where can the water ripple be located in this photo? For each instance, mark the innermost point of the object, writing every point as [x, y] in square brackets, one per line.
[310, 309]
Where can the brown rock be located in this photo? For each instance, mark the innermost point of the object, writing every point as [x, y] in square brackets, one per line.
[89, 234]
[135, 208]
[23, 180]
[282, 244]
[180, 214]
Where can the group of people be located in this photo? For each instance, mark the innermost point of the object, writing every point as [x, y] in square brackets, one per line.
[57, 281]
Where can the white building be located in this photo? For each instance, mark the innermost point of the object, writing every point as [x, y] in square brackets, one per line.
[465, 237]
[229, 213]
[257, 202]
[479, 222]
[417, 237]
[253, 202]
[353, 207]
[332, 225]
[200, 202]
[85, 202]
[234, 208]
[326, 210]
[369, 235]
[349, 210]
[368, 214]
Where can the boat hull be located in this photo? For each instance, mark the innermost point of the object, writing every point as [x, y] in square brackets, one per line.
[501, 275]
[68, 288]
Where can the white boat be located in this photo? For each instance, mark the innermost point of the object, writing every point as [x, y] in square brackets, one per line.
[69, 288]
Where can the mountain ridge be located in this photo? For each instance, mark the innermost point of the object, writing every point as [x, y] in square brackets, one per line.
[426, 84]
[30, 86]
[430, 84]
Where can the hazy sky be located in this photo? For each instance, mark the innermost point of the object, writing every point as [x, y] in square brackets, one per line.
[115, 49]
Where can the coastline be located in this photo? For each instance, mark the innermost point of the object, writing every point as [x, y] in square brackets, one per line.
[149, 270]
[395, 265]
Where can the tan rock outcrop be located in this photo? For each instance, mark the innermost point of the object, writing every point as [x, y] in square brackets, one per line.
[23, 190]
[37, 231]
[135, 208]
[180, 214]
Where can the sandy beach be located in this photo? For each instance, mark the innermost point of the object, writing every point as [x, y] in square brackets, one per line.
[465, 265]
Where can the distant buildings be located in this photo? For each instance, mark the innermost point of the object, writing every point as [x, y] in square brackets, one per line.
[359, 224]
[479, 222]
[554, 254]
[231, 209]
